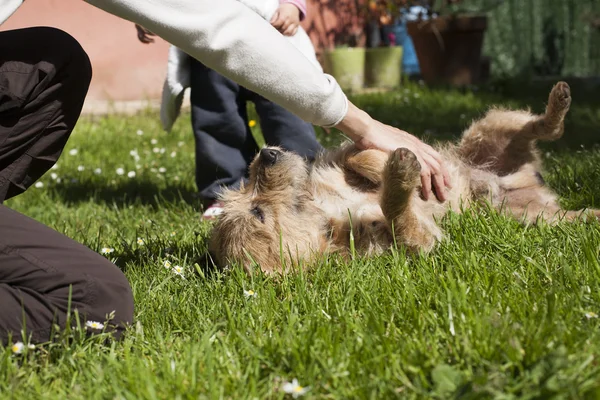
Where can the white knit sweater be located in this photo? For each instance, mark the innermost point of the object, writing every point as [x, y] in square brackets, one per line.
[228, 37]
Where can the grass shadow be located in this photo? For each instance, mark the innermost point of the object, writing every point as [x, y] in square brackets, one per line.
[133, 192]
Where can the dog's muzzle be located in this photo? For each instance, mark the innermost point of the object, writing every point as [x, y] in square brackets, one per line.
[269, 156]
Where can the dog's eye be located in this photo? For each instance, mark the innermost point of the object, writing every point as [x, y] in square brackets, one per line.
[258, 213]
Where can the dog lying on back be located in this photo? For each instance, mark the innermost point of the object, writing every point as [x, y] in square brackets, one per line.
[291, 212]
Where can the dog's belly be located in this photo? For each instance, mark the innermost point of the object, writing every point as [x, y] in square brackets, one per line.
[338, 200]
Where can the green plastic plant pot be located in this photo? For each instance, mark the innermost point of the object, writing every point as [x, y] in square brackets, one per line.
[347, 66]
[383, 67]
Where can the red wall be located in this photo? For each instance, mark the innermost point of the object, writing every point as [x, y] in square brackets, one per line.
[124, 68]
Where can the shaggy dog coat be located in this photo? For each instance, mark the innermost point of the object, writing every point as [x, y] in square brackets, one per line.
[367, 200]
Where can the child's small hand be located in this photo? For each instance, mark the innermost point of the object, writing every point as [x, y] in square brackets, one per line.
[286, 19]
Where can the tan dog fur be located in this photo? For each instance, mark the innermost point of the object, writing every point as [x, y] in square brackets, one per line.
[291, 211]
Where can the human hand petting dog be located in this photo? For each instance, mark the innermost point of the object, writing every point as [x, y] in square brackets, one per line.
[367, 132]
[286, 19]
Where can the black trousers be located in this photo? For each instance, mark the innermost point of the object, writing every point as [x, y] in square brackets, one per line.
[224, 143]
[44, 78]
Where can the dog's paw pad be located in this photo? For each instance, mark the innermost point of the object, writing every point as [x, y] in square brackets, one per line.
[403, 165]
[561, 95]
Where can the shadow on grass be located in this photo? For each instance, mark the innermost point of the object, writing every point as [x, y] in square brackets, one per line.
[133, 192]
[196, 256]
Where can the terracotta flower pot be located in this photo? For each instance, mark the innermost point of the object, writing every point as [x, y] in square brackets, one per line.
[383, 67]
[449, 48]
[347, 66]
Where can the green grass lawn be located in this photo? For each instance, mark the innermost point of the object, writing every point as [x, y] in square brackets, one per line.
[498, 310]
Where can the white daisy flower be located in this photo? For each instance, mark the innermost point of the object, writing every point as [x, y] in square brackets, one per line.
[17, 348]
[249, 293]
[98, 171]
[106, 250]
[590, 315]
[153, 141]
[294, 388]
[173, 233]
[162, 150]
[58, 180]
[131, 174]
[180, 144]
[178, 270]
[140, 241]
[162, 170]
[94, 325]
[140, 132]
[53, 175]
[120, 171]
[173, 154]
[167, 264]
[156, 150]
[73, 152]
[80, 168]
[39, 185]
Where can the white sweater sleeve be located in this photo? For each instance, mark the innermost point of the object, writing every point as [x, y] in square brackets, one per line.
[7, 8]
[236, 42]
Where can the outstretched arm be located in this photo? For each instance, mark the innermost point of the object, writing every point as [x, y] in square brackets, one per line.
[229, 38]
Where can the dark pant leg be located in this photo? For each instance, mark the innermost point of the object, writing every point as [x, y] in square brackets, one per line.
[44, 77]
[40, 268]
[282, 128]
[224, 143]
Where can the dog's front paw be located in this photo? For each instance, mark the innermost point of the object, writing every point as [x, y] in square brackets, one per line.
[403, 169]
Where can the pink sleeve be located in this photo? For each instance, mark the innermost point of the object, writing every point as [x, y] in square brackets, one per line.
[301, 4]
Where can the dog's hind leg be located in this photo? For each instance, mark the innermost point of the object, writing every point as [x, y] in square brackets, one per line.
[367, 163]
[552, 215]
[503, 140]
[412, 226]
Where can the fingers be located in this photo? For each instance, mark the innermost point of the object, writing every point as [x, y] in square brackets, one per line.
[440, 187]
[426, 183]
[432, 173]
[285, 25]
[291, 30]
[274, 18]
[278, 22]
[440, 173]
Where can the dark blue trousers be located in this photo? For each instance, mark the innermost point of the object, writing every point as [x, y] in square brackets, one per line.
[224, 143]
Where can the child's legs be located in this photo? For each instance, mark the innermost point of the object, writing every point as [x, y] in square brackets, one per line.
[224, 143]
[282, 128]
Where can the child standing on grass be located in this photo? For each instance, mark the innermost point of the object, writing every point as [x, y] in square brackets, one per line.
[224, 142]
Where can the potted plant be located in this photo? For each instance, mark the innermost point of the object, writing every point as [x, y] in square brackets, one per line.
[448, 41]
[383, 58]
[346, 60]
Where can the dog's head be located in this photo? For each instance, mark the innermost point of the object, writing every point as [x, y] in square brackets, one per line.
[270, 218]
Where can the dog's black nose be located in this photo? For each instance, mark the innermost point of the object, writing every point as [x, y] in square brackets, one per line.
[270, 155]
